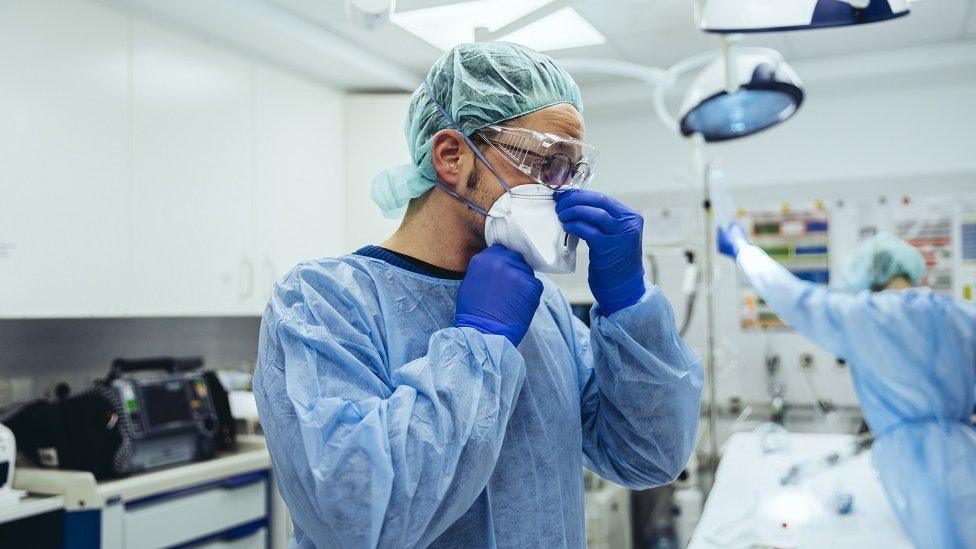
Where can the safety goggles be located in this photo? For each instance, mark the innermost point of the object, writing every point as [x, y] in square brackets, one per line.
[557, 162]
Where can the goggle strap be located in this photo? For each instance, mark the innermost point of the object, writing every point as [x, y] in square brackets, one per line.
[465, 201]
[474, 148]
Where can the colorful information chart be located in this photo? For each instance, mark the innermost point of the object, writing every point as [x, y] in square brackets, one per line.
[967, 242]
[931, 235]
[798, 240]
[942, 228]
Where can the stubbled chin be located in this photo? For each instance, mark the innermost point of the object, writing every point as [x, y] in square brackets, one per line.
[478, 235]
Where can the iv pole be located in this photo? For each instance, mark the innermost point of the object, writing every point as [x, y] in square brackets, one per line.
[662, 81]
[702, 175]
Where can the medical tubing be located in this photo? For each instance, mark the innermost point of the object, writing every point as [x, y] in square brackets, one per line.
[822, 414]
[690, 303]
[689, 312]
[652, 263]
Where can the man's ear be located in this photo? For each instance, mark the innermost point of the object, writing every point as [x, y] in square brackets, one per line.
[449, 153]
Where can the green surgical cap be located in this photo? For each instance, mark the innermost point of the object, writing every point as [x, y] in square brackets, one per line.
[880, 259]
[479, 85]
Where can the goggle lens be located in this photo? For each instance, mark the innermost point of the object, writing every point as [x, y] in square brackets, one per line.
[527, 151]
[556, 171]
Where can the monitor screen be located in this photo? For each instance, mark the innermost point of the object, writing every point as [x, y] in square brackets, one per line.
[166, 403]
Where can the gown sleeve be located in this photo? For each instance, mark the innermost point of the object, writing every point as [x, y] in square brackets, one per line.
[368, 454]
[829, 318]
[640, 393]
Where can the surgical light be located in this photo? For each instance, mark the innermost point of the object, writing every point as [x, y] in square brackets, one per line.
[746, 16]
[740, 95]
[738, 92]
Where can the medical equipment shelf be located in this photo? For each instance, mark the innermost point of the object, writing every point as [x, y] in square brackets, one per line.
[225, 499]
[30, 506]
[80, 490]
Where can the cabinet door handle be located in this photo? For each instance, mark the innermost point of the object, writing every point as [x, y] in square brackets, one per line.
[239, 481]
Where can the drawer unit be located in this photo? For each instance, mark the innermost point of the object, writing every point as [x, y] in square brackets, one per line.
[182, 516]
[258, 539]
[229, 501]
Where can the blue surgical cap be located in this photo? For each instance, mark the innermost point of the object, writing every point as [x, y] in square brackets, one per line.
[880, 259]
[479, 85]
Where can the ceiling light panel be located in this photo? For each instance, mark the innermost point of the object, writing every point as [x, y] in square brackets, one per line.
[448, 25]
[562, 29]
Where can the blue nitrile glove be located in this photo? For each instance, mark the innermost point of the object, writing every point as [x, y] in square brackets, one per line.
[499, 294]
[613, 233]
[730, 239]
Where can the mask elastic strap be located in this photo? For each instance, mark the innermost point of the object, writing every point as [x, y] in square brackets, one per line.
[474, 148]
[466, 202]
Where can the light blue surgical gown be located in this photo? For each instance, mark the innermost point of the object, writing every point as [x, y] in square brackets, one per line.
[912, 355]
[389, 427]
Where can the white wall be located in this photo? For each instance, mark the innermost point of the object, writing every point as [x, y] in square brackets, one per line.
[374, 141]
[147, 173]
[872, 128]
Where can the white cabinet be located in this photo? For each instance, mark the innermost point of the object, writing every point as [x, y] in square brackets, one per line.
[191, 157]
[228, 501]
[238, 177]
[63, 183]
[178, 518]
[146, 173]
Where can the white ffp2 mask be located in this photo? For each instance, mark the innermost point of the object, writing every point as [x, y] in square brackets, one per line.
[524, 220]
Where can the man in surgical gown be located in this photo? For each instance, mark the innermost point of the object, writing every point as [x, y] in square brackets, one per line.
[912, 355]
[389, 426]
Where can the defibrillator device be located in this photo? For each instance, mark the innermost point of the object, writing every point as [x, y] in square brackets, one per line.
[8, 455]
[145, 414]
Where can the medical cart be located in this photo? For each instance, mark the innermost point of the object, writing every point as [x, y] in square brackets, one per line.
[226, 502]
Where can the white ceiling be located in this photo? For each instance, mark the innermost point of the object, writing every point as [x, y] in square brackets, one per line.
[315, 38]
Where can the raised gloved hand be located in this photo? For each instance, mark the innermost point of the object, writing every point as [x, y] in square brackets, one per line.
[613, 233]
[730, 238]
[499, 294]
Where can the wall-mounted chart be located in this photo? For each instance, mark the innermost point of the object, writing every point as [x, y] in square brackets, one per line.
[798, 240]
